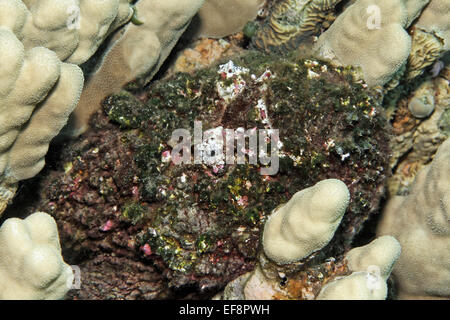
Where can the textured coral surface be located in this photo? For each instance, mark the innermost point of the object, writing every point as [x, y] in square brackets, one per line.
[187, 230]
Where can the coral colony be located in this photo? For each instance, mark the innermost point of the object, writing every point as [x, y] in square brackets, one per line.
[224, 149]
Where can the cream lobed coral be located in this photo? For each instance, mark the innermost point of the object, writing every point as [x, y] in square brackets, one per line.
[361, 274]
[426, 49]
[371, 34]
[306, 223]
[353, 287]
[368, 269]
[31, 266]
[371, 266]
[73, 29]
[37, 94]
[421, 223]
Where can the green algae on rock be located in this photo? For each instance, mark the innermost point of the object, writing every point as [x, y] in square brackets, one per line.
[197, 226]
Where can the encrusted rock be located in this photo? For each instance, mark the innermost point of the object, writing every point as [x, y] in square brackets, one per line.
[199, 225]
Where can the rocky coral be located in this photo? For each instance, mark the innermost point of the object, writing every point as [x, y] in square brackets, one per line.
[420, 222]
[425, 50]
[143, 226]
[31, 266]
[292, 21]
[195, 227]
[415, 141]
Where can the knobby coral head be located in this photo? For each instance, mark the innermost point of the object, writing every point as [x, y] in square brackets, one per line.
[41, 44]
